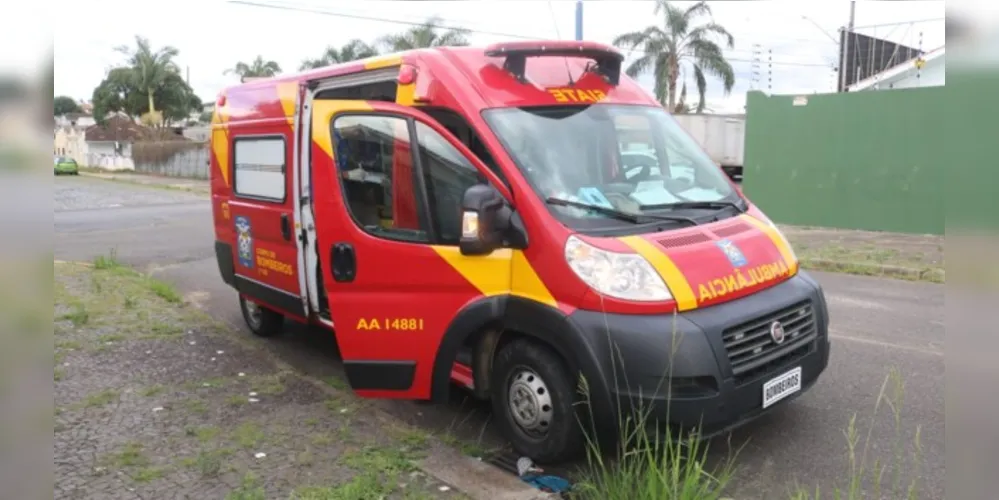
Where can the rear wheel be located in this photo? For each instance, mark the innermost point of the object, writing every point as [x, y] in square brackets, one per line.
[533, 401]
[263, 322]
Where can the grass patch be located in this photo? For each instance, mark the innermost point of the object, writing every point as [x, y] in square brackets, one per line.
[867, 475]
[248, 435]
[249, 489]
[268, 384]
[379, 459]
[208, 463]
[130, 455]
[196, 406]
[337, 383]
[152, 390]
[147, 474]
[70, 345]
[164, 290]
[361, 487]
[78, 316]
[237, 400]
[58, 374]
[204, 434]
[110, 338]
[109, 261]
[102, 398]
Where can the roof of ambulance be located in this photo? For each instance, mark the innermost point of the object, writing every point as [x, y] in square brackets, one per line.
[483, 74]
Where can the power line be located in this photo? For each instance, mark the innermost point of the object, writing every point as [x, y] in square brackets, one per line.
[882, 25]
[287, 7]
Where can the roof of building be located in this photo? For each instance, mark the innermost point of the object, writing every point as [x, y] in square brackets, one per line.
[899, 71]
[117, 128]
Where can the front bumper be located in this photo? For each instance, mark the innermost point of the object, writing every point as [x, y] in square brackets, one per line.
[706, 368]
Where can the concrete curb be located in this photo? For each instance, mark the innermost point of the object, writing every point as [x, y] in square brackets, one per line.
[136, 179]
[477, 479]
[901, 272]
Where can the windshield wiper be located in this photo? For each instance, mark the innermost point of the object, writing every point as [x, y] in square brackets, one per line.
[695, 204]
[618, 214]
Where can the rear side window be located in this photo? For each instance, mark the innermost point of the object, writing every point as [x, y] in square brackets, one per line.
[259, 167]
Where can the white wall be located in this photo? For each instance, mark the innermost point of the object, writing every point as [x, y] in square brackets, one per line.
[102, 154]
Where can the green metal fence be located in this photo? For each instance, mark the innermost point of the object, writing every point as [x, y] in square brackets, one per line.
[866, 160]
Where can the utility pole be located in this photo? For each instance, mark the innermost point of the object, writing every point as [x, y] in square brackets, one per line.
[579, 20]
[845, 47]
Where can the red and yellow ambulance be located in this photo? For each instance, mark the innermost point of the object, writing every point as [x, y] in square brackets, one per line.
[512, 219]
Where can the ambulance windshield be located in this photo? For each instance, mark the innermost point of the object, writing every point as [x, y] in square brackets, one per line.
[633, 159]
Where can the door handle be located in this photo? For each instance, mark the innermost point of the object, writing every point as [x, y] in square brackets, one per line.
[286, 227]
[344, 262]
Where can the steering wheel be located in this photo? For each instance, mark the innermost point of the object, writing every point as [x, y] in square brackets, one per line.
[643, 174]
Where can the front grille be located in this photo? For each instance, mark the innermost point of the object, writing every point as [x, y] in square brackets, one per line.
[752, 351]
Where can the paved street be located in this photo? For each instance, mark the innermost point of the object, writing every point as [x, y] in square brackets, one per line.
[876, 325]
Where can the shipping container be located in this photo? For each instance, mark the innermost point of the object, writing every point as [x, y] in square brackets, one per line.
[722, 136]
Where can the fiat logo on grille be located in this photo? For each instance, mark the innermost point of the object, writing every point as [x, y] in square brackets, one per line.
[777, 332]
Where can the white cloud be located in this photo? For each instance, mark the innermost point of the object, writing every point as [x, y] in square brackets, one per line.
[213, 35]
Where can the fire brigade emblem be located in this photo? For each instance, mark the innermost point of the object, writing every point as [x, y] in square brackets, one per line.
[244, 241]
[733, 253]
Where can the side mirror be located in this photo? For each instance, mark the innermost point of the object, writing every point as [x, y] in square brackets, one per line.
[486, 220]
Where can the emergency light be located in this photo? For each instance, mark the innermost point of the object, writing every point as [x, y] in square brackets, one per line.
[608, 59]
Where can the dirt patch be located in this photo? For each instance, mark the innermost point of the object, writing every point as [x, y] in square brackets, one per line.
[908, 256]
[153, 399]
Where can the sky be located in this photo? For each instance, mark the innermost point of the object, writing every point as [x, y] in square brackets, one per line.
[213, 35]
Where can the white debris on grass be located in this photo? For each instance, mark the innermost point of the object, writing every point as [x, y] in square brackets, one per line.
[444, 488]
[253, 400]
[253, 394]
[241, 374]
[260, 455]
[158, 408]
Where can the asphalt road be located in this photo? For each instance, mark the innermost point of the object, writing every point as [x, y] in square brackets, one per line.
[877, 325]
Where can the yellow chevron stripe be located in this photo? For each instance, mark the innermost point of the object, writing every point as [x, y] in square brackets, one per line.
[504, 271]
[778, 240]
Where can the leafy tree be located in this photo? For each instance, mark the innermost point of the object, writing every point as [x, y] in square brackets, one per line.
[151, 70]
[62, 105]
[257, 68]
[680, 49]
[125, 90]
[426, 35]
[352, 51]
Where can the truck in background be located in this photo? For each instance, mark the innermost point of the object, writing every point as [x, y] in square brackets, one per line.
[722, 136]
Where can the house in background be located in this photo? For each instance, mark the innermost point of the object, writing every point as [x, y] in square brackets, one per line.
[70, 142]
[925, 71]
[110, 146]
[75, 120]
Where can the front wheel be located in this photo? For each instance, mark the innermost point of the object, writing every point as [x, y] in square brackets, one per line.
[532, 398]
[263, 322]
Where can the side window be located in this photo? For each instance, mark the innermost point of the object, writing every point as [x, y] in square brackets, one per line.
[375, 164]
[447, 174]
[259, 167]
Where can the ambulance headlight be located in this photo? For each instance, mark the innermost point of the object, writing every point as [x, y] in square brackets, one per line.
[625, 276]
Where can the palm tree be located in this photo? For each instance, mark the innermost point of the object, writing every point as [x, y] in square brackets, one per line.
[678, 50]
[426, 35]
[151, 69]
[352, 51]
[258, 68]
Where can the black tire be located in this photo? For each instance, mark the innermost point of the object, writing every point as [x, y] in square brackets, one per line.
[562, 438]
[262, 321]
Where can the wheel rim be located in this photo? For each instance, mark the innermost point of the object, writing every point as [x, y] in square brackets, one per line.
[530, 402]
[253, 315]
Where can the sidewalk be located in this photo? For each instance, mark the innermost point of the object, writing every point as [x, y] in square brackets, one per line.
[906, 256]
[200, 186]
[870, 253]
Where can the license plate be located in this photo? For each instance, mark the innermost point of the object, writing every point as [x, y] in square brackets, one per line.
[781, 387]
